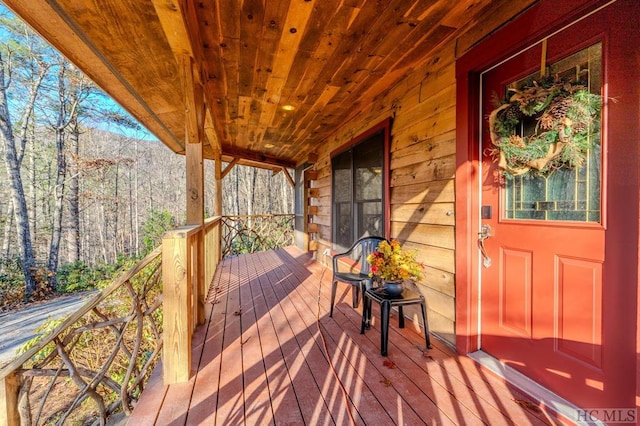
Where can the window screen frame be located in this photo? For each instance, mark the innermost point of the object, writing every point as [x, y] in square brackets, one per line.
[384, 129]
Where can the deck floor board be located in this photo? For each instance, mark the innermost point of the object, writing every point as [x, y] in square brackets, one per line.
[260, 358]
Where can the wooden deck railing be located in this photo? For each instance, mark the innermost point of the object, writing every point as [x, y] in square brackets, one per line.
[249, 234]
[94, 363]
[99, 358]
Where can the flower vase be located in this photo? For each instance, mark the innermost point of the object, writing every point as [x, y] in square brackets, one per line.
[394, 288]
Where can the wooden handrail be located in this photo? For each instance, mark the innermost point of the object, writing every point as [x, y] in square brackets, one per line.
[245, 216]
[211, 221]
[182, 232]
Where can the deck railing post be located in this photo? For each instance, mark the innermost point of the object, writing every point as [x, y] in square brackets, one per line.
[217, 251]
[211, 250]
[177, 307]
[198, 276]
[9, 389]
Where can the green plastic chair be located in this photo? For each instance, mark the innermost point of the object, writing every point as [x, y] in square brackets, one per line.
[357, 274]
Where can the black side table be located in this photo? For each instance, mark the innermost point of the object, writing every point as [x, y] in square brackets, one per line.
[407, 297]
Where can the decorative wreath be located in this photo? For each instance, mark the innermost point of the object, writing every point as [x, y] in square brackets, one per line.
[565, 115]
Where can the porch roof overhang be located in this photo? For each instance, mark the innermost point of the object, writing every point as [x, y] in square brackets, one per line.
[277, 78]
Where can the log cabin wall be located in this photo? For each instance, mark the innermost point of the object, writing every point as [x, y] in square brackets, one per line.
[423, 162]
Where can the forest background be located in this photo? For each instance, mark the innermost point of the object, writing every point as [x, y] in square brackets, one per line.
[86, 188]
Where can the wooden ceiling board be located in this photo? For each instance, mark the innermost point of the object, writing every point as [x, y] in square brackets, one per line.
[344, 65]
[416, 49]
[383, 26]
[215, 78]
[405, 43]
[251, 32]
[229, 18]
[262, 108]
[304, 73]
[328, 59]
[351, 36]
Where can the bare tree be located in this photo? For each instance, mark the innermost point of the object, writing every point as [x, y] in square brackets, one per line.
[14, 147]
[73, 237]
[72, 89]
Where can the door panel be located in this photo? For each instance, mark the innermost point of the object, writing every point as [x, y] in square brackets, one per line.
[579, 313]
[515, 291]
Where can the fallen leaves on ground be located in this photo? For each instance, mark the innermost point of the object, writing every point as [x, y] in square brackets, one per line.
[528, 405]
[389, 364]
[386, 382]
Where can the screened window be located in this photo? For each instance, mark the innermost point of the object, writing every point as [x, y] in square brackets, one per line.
[358, 191]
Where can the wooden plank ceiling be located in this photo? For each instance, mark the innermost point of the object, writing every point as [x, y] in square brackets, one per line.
[279, 75]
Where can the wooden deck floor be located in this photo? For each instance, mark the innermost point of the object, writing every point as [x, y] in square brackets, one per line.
[261, 359]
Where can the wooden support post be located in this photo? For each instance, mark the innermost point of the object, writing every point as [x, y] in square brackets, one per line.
[195, 216]
[195, 184]
[177, 311]
[218, 202]
[218, 185]
[310, 211]
[182, 255]
[305, 206]
[9, 389]
[194, 135]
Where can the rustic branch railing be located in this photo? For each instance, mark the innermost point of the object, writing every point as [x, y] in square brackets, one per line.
[249, 234]
[96, 362]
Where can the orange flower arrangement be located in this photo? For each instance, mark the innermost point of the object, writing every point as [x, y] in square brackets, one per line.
[391, 263]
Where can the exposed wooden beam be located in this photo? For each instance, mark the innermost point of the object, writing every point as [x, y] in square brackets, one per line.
[258, 157]
[289, 178]
[193, 103]
[229, 167]
[312, 157]
[171, 18]
[180, 24]
[211, 133]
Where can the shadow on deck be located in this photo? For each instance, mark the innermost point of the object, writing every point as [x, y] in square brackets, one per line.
[260, 359]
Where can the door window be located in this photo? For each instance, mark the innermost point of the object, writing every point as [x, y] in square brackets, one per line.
[565, 194]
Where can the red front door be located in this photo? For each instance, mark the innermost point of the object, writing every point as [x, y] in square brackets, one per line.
[545, 299]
